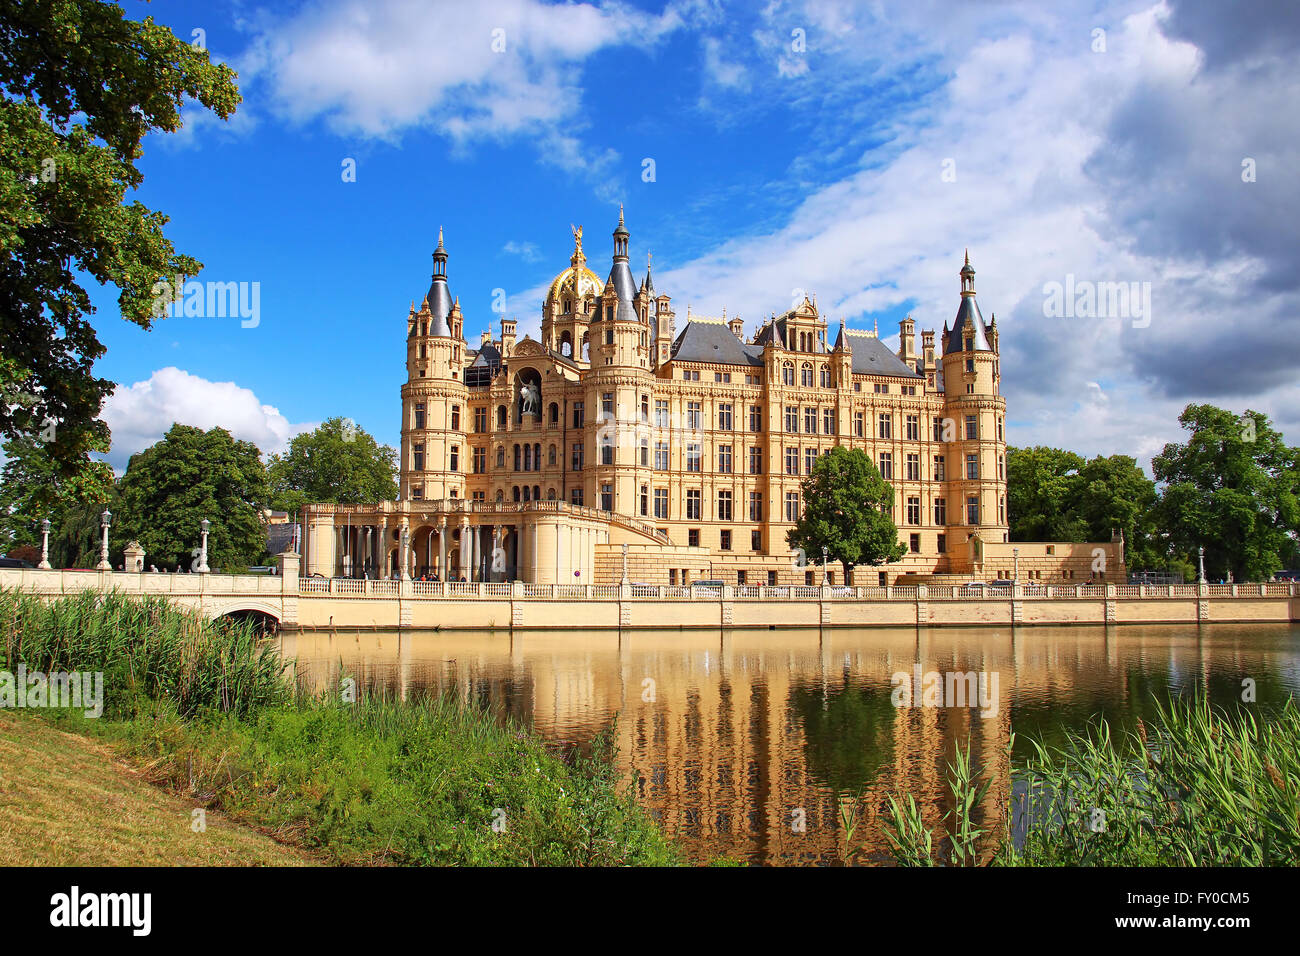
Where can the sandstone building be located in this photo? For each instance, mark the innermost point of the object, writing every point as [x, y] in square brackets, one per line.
[540, 460]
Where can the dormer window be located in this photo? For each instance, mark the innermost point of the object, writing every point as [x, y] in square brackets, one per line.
[970, 344]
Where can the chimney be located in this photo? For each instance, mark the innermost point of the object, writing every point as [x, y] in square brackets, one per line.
[737, 326]
[485, 338]
[507, 337]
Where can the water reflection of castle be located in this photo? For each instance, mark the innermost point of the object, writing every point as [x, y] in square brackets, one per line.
[739, 730]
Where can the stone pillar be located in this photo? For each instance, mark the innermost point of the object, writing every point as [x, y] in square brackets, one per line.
[134, 555]
[497, 551]
[404, 554]
[464, 548]
[442, 549]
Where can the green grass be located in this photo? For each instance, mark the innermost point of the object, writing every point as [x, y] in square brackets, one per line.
[1199, 788]
[205, 711]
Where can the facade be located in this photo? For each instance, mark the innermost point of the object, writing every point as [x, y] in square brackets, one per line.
[541, 460]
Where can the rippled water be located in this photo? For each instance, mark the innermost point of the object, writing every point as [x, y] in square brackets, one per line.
[745, 743]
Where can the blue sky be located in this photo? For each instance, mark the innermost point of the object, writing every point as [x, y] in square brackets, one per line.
[851, 150]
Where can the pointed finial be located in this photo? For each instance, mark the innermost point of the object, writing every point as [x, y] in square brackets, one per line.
[968, 256]
[620, 214]
[875, 327]
[649, 260]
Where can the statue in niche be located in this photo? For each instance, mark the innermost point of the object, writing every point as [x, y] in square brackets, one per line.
[529, 399]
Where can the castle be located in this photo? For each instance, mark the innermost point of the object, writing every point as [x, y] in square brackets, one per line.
[617, 449]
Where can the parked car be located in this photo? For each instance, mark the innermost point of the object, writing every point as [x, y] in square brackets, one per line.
[1002, 583]
[713, 588]
[15, 563]
[974, 587]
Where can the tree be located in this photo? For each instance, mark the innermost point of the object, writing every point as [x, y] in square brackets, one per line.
[1042, 484]
[1114, 494]
[33, 488]
[336, 463]
[1233, 488]
[170, 487]
[846, 509]
[82, 86]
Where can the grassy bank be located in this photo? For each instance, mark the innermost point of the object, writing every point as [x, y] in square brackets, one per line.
[205, 711]
[1199, 788]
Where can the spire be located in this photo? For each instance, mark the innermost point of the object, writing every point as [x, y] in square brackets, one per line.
[620, 237]
[841, 340]
[438, 299]
[620, 274]
[579, 257]
[648, 285]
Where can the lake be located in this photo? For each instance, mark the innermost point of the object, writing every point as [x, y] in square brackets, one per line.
[749, 743]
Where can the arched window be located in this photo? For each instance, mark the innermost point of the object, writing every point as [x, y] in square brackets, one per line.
[501, 494]
[515, 492]
[787, 373]
[550, 455]
[527, 492]
[501, 416]
[537, 492]
[825, 376]
[554, 413]
[528, 458]
[805, 375]
[518, 458]
[501, 456]
[550, 494]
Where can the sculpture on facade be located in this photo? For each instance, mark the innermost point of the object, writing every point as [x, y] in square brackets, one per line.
[529, 399]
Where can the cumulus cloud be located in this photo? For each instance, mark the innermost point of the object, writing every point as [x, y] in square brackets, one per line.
[140, 414]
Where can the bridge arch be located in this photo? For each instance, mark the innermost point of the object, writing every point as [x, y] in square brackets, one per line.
[267, 613]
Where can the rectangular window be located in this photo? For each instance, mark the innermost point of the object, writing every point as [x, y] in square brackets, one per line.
[938, 429]
[419, 415]
[661, 503]
[999, 429]
[940, 511]
[724, 539]
[828, 421]
[972, 510]
[972, 466]
[913, 427]
[740, 579]
[941, 544]
[756, 506]
[693, 416]
[859, 425]
[645, 453]
[939, 468]
[914, 511]
[809, 459]
[577, 415]
[606, 497]
[755, 540]
[1002, 511]
[692, 537]
[577, 456]
[693, 498]
[480, 420]
[792, 461]
[661, 456]
[455, 458]
[575, 496]
[724, 506]
[914, 543]
[913, 467]
[645, 501]
[417, 492]
[755, 418]
[810, 421]
[972, 427]
[455, 418]
[480, 460]
[725, 418]
[1002, 467]
[693, 456]
[755, 461]
[880, 389]
[606, 450]
[607, 406]
[645, 409]
[792, 419]
[418, 456]
[887, 466]
[724, 459]
[661, 414]
[792, 506]
[885, 426]
[771, 579]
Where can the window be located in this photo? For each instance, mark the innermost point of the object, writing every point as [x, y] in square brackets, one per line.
[913, 427]
[419, 415]
[755, 540]
[885, 426]
[661, 414]
[577, 415]
[806, 375]
[941, 511]
[1002, 511]
[693, 416]
[501, 416]
[693, 499]
[725, 417]
[724, 505]
[740, 579]
[606, 450]
[972, 510]
[575, 496]
[554, 412]
[577, 456]
[970, 365]
[724, 539]
[914, 543]
[417, 492]
[972, 466]
[938, 429]
[914, 511]
[881, 389]
[501, 457]
[828, 421]
[810, 421]
[756, 506]
[887, 466]
[941, 544]
[771, 579]
[607, 406]
[972, 427]
[824, 376]
[724, 459]
[859, 424]
[1002, 467]
[939, 468]
[999, 429]
[661, 456]
[455, 458]
[755, 418]
[792, 506]
[479, 461]
[792, 461]
[913, 467]
[606, 497]
[418, 456]
[970, 389]
[455, 418]
[661, 503]
[809, 459]
[645, 453]
[792, 419]
[645, 408]
[755, 461]
[692, 541]
[693, 455]
[787, 373]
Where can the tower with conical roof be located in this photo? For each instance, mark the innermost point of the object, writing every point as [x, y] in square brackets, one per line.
[974, 429]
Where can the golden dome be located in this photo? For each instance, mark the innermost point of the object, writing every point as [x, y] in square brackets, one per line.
[577, 281]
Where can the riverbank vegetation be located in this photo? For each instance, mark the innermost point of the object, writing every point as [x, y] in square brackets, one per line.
[1199, 788]
[206, 710]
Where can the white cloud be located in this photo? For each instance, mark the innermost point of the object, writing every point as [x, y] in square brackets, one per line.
[140, 414]
[527, 251]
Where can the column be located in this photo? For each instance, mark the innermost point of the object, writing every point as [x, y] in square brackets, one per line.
[492, 558]
[442, 549]
[464, 547]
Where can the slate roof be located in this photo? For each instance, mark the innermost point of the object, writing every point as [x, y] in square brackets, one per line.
[713, 342]
[968, 308]
[871, 357]
[439, 301]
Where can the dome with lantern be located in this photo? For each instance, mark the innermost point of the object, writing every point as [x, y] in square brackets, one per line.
[575, 284]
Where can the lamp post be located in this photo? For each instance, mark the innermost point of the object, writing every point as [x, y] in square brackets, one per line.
[1015, 555]
[105, 520]
[825, 552]
[45, 545]
[203, 548]
[1201, 555]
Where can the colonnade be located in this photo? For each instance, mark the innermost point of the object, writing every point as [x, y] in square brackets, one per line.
[465, 550]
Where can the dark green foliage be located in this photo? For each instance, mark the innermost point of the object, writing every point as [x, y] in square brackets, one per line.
[338, 463]
[33, 487]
